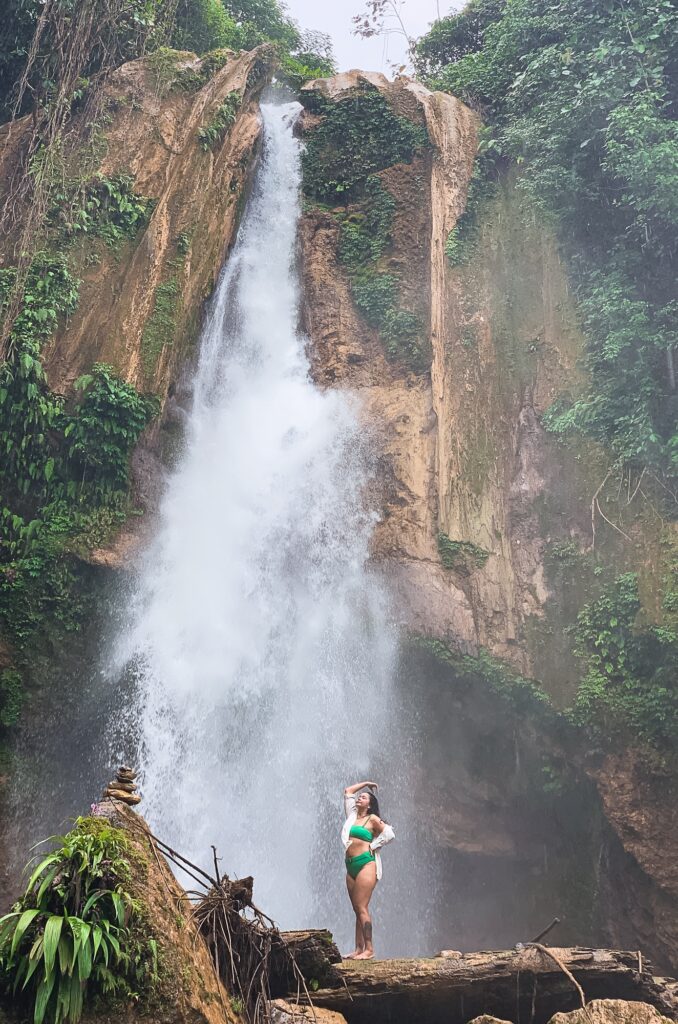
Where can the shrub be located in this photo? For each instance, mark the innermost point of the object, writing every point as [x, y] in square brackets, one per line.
[72, 932]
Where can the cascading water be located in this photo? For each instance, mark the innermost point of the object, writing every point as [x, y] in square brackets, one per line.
[260, 640]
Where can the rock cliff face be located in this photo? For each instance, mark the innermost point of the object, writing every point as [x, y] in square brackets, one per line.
[478, 501]
[170, 268]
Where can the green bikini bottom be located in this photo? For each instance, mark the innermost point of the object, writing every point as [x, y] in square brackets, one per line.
[354, 865]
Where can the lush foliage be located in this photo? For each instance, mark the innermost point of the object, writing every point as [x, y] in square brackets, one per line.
[631, 678]
[63, 471]
[461, 555]
[72, 932]
[28, 410]
[358, 136]
[582, 95]
[262, 20]
[107, 208]
[522, 694]
[204, 25]
[114, 33]
[48, 452]
[105, 427]
[222, 119]
[451, 39]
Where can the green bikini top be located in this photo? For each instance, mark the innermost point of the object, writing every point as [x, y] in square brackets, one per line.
[360, 832]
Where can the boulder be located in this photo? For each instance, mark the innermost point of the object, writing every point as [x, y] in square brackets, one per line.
[486, 1019]
[282, 1012]
[612, 1011]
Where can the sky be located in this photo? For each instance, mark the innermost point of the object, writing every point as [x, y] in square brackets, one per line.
[378, 54]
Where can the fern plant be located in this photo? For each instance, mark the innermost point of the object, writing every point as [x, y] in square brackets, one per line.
[71, 932]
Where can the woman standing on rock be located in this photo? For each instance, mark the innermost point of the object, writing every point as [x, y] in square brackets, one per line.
[362, 835]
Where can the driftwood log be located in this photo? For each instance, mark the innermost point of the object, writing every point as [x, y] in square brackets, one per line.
[314, 953]
[524, 986]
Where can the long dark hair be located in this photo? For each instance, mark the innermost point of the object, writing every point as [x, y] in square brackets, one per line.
[374, 805]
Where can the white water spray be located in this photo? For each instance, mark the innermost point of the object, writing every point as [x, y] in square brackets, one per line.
[262, 644]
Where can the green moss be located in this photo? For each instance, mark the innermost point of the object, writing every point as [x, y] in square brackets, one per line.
[365, 236]
[461, 555]
[165, 65]
[217, 127]
[357, 137]
[161, 327]
[463, 240]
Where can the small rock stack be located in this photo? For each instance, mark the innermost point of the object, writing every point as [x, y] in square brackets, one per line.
[123, 787]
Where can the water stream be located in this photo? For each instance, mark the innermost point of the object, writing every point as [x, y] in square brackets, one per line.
[260, 639]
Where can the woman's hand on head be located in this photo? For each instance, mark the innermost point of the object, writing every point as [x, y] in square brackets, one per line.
[352, 790]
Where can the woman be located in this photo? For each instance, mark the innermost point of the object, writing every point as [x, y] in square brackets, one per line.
[362, 835]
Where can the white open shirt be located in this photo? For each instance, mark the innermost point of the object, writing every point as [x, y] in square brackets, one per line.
[381, 840]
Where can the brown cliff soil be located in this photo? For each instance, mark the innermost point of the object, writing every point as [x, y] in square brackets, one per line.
[397, 404]
[149, 131]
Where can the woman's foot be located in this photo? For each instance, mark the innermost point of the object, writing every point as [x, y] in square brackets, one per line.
[354, 955]
[367, 954]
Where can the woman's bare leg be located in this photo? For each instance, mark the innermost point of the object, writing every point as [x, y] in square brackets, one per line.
[362, 893]
[359, 943]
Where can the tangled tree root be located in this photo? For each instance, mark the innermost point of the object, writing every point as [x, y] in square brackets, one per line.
[251, 956]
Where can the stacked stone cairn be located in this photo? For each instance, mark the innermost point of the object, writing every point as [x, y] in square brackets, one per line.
[123, 787]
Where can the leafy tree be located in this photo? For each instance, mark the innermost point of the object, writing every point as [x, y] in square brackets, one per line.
[204, 25]
[452, 38]
[262, 20]
[630, 678]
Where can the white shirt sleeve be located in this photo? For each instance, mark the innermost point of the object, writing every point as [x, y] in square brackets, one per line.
[349, 804]
[383, 838]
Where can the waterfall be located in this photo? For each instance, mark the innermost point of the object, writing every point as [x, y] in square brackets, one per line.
[260, 638]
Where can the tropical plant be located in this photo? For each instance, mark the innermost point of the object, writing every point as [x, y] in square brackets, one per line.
[71, 933]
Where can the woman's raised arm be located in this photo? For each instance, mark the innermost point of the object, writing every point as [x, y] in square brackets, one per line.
[350, 790]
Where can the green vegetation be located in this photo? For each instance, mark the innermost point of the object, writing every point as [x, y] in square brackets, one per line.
[75, 932]
[105, 32]
[11, 697]
[522, 694]
[102, 207]
[631, 679]
[161, 325]
[204, 25]
[462, 242]
[217, 127]
[107, 424]
[358, 136]
[582, 96]
[461, 555]
[64, 473]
